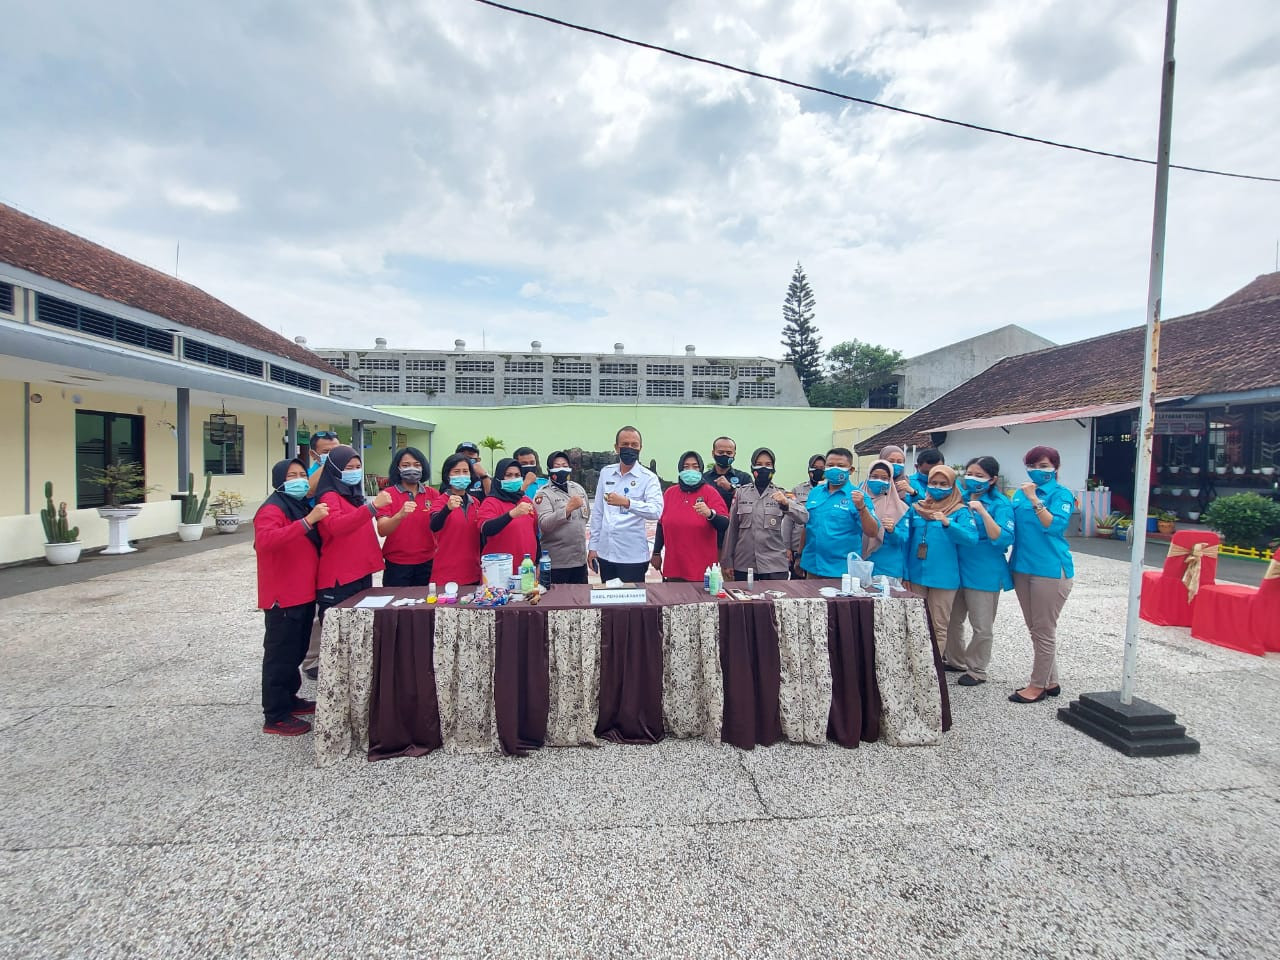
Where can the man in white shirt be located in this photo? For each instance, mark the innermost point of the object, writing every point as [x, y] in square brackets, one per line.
[627, 496]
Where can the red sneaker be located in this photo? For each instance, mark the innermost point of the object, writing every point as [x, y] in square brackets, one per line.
[303, 707]
[288, 727]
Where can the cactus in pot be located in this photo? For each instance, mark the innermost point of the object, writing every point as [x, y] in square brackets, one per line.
[56, 529]
[193, 508]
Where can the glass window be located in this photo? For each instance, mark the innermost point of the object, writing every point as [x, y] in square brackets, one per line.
[224, 459]
[103, 438]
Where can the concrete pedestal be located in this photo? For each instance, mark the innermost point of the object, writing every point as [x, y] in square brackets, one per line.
[118, 529]
[1139, 729]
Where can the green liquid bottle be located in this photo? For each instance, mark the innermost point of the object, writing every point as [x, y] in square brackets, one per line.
[528, 574]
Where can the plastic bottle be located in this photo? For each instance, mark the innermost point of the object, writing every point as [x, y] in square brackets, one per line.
[706, 579]
[528, 574]
[751, 577]
[717, 579]
[544, 570]
[432, 596]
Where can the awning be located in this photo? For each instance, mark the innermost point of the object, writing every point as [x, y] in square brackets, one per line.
[1040, 416]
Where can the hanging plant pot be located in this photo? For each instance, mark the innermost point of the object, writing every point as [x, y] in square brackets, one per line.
[188, 532]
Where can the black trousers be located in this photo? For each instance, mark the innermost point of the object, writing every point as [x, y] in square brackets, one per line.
[626, 572]
[569, 574]
[283, 648]
[742, 577]
[332, 596]
[407, 574]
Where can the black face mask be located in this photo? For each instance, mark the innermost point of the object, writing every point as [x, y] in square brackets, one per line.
[560, 476]
[763, 475]
[724, 460]
[628, 455]
[815, 475]
[527, 468]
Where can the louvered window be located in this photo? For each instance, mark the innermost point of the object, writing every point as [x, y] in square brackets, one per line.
[72, 316]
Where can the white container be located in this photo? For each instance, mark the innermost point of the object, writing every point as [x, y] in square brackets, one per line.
[190, 531]
[495, 570]
[60, 553]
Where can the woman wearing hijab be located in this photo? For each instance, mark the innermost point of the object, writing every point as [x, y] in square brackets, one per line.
[888, 551]
[507, 520]
[563, 511]
[349, 551]
[409, 547]
[689, 531]
[455, 523]
[984, 572]
[793, 532]
[897, 458]
[939, 524]
[754, 540]
[1042, 568]
[288, 549]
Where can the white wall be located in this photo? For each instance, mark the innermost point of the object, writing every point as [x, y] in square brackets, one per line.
[1066, 436]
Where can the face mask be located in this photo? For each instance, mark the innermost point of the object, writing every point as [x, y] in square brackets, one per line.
[560, 476]
[939, 493]
[836, 475]
[297, 488]
[628, 455]
[410, 474]
[324, 458]
[353, 478]
[459, 483]
[877, 487]
[922, 475]
[527, 468]
[723, 460]
[762, 473]
[1041, 476]
[690, 478]
[512, 486]
[973, 485]
[898, 470]
[815, 476]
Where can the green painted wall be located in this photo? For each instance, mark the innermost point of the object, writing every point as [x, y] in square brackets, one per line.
[793, 433]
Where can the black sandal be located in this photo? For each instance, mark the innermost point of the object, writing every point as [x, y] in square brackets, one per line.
[1017, 697]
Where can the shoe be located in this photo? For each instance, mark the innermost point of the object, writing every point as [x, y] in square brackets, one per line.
[311, 673]
[951, 667]
[302, 707]
[288, 727]
[1016, 697]
[969, 680]
[1053, 691]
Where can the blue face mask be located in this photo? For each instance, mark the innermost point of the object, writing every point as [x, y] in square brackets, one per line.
[460, 482]
[974, 485]
[353, 478]
[297, 488]
[898, 470]
[512, 486]
[690, 478]
[836, 475]
[324, 458]
[1039, 477]
[877, 487]
[939, 493]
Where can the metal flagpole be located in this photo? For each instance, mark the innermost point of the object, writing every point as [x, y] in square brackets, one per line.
[1151, 365]
[1119, 719]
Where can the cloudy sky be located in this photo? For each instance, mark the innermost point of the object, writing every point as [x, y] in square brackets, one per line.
[430, 169]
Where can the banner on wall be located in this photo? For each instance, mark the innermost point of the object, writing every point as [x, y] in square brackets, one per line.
[1178, 423]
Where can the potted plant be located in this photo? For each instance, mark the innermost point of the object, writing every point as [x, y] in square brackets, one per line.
[61, 542]
[1220, 470]
[1195, 469]
[1106, 526]
[1193, 515]
[1243, 518]
[226, 511]
[193, 508]
[1123, 524]
[1166, 521]
[123, 486]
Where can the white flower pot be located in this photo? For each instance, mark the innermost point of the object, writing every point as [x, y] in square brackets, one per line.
[227, 523]
[1193, 516]
[118, 528]
[1219, 470]
[60, 553]
[1268, 471]
[1195, 469]
[190, 531]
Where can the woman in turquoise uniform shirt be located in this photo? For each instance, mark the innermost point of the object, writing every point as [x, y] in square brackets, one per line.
[940, 523]
[984, 572]
[888, 551]
[1041, 565]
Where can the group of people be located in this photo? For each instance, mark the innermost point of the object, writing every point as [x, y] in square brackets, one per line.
[956, 540]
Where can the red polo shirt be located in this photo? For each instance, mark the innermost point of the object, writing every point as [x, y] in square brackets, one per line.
[518, 537]
[412, 541]
[689, 543]
[457, 544]
[349, 546]
[287, 560]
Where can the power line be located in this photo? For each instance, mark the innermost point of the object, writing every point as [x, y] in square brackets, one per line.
[862, 100]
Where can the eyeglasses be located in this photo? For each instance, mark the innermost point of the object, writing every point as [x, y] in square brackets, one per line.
[324, 435]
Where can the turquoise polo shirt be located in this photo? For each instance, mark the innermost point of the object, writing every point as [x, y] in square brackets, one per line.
[983, 565]
[940, 568]
[890, 558]
[1038, 550]
[833, 531]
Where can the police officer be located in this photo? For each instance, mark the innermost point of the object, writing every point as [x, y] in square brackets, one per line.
[755, 538]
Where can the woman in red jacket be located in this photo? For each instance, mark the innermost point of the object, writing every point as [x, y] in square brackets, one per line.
[508, 523]
[455, 521]
[689, 533]
[288, 549]
[410, 545]
[349, 551]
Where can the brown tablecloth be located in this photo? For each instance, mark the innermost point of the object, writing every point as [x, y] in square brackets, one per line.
[403, 718]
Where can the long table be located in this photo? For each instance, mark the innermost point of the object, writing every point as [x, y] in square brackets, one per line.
[403, 681]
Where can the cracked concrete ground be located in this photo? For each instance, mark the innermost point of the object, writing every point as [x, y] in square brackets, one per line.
[145, 815]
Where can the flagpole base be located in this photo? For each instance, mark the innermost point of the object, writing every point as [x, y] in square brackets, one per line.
[1138, 729]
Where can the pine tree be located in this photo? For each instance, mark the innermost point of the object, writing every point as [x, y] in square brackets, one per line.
[804, 345]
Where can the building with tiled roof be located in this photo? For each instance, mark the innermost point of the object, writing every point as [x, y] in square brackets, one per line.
[1218, 396]
[105, 360]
